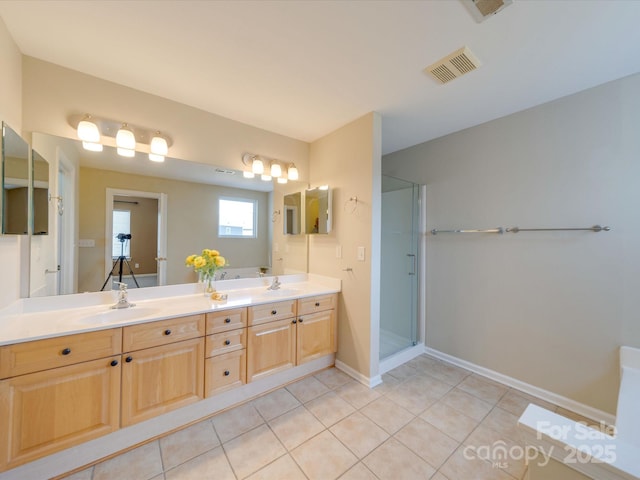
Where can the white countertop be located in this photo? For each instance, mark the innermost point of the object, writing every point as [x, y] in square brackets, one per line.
[37, 318]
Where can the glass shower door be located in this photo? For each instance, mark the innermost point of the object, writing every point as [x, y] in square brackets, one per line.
[399, 267]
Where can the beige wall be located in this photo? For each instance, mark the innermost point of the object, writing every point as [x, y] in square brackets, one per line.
[346, 160]
[191, 222]
[53, 93]
[12, 249]
[549, 309]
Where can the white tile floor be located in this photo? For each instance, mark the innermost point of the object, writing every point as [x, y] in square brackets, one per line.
[417, 425]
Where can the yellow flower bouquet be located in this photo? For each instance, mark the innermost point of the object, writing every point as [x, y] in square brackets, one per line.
[206, 265]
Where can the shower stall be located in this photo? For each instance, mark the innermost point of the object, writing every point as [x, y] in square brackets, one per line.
[400, 266]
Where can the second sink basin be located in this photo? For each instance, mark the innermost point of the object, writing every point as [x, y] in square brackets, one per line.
[282, 292]
[119, 315]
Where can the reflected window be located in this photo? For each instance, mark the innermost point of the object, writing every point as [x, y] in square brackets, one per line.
[237, 218]
[121, 230]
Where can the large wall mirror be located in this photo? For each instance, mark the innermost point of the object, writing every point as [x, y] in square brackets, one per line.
[40, 175]
[169, 210]
[15, 183]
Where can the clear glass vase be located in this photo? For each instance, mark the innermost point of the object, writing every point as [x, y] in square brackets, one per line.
[208, 284]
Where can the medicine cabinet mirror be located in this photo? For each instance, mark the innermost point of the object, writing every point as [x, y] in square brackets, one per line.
[40, 194]
[317, 210]
[15, 183]
[292, 214]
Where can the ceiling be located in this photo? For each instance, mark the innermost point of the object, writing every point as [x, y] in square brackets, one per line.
[306, 68]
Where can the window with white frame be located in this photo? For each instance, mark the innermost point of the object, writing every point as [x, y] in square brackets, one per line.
[121, 225]
[237, 217]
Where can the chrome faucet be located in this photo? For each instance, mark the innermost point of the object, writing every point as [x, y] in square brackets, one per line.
[123, 301]
[275, 285]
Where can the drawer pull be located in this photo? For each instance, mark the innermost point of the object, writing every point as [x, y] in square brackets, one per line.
[114, 363]
[227, 373]
[66, 351]
[273, 312]
[227, 342]
[300, 320]
[128, 359]
[293, 321]
[227, 320]
[317, 304]
[167, 332]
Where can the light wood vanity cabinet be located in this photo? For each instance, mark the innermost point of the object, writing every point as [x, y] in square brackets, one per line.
[225, 350]
[161, 370]
[284, 334]
[57, 393]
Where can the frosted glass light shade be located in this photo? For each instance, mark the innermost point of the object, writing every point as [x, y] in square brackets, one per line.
[125, 138]
[257, 166]
[292, 172]
[276, 170]
[159, 146]
[88, 131]
[126, 152]
[92, 146]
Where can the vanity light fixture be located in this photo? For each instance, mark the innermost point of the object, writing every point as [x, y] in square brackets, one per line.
[276, 169]
[292, 172]
[92, 146]
[257, 166]
[88, 130]
[158, 147]
[125, 138]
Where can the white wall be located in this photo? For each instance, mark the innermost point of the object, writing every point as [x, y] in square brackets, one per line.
[12, 248]
[549, 309]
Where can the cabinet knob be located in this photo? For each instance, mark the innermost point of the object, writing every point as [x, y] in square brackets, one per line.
[114, 363]
[273, 312]
[226, 373]
[293, 321]
[300, 320]
[128, 359]
[227, 342]
[317, 304]
[66, 351]
[227, 320]
[167, 332]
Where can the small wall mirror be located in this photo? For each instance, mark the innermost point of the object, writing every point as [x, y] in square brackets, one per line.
[317, 210]
[292, 214]
[15, 183]
[40, 194]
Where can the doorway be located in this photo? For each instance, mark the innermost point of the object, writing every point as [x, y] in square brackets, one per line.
[136, 228]
[400, 266]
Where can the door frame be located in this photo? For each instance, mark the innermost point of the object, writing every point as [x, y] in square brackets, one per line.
[161, 254]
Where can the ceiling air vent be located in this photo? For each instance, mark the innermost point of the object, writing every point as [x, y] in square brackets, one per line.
[483, 9]
[452, 66]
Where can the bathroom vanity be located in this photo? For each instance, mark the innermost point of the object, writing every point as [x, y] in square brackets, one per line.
[71, 375]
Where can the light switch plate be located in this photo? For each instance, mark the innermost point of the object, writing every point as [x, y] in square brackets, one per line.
[339, 251]
[361, 252]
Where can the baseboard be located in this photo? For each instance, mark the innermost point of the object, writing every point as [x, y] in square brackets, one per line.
[561, 401]
[363, 379]
[399, 358]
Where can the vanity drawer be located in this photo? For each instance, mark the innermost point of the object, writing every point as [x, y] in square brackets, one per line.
[271, 311]
[224, 372]
[37, 355]
[226, 320]
[153, 334]
[225, 342]
[317, 304]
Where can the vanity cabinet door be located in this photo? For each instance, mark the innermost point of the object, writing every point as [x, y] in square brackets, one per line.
[271, 347]
[160, 379]
[55, 409]
[316, 336]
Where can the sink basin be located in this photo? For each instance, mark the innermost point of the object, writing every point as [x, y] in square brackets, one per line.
[282, 292]
[119, 315]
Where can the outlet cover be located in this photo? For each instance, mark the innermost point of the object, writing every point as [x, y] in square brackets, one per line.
[361, 253]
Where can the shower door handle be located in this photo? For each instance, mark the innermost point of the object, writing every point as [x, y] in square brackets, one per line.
[413, 263]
